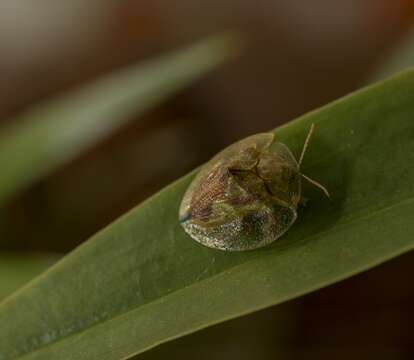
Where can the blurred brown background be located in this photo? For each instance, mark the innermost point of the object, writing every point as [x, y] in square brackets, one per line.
[298, 55]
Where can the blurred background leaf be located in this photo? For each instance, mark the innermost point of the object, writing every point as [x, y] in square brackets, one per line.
[54, 133]
[142, 281]
[17, 269]
[399, 58]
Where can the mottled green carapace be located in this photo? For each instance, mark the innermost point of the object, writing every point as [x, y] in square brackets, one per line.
[246, 196]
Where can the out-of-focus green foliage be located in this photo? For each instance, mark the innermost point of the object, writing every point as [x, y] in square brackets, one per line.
[17, 269]
[51, 134]
[143, 281]
[400, 58]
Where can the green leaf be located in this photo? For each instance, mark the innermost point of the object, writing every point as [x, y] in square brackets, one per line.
[17, 269]
[142, 281]
[53, 133]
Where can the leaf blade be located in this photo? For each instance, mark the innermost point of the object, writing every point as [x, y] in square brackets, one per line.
[144, 281]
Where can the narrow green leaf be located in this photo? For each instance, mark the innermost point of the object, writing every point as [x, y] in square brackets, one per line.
[17, 269]
[142, 281]
[53, 133]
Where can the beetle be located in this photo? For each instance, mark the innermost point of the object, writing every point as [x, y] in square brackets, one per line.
[246, 196]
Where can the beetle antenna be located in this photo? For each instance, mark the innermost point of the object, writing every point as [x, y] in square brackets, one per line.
[305, 145]
[320, 186]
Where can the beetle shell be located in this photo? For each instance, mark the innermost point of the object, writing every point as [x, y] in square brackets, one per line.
[245, 197]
